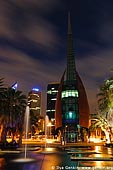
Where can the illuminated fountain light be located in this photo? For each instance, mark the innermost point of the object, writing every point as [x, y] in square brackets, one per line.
[95, 140]
[47, 149]
[25, 159]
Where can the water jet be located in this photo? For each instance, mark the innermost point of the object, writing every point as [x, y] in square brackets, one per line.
[25, 159]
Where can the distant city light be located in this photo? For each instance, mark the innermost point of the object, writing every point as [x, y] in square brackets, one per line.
[14, 86]
[35, 89]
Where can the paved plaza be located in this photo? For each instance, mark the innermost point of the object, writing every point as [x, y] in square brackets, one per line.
[72, 157]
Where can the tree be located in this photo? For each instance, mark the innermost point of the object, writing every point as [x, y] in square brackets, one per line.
[105, 105]
[105, 96]
[13, 104]
[3, 118]
[102, 122]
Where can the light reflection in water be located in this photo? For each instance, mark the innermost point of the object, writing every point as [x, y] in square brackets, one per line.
[97, 164]
[104, 152]
[97, 148]
[109, 151]
[61, 159]
[49, 149]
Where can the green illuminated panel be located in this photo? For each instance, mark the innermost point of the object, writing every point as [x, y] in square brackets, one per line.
[70, 93]
[70, 115]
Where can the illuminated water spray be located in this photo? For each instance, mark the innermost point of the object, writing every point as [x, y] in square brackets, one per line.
[46, 130]
[25, 159]
[26, 123]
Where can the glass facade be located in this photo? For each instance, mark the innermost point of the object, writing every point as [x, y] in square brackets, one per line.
[34, 102]
[70, 93]
[70, 109]
[52, 90]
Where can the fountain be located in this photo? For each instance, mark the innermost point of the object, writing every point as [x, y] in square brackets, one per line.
[46, 130]
[46, 148]
[25, 159]
[26, 123]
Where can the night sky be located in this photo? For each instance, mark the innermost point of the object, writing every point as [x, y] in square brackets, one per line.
[33, 42]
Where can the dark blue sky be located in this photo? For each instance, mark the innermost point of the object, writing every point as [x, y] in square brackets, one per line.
[33, 42]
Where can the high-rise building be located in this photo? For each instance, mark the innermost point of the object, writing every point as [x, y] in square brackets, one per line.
[52, 90]
[34, 101]
[72, 109]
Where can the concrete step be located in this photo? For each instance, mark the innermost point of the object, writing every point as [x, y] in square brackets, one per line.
[74, 158]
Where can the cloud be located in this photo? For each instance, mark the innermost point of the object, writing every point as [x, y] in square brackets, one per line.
[23, 20]
[44, 35]
[16, 66]
[40, 5]
[93, 71]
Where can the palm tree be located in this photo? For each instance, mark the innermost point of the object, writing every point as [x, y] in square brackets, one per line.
[13, 106]
[105, 96]
[3, 118]
[105, 108]
[102, 122]
[2, 89]
[1, 84]
[105, 103]
[3, 128]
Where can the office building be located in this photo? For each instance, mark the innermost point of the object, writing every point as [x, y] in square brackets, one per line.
[34, 102]
[52, 90]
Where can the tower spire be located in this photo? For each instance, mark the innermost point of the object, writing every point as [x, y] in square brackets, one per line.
[71, 75]
[69, 24]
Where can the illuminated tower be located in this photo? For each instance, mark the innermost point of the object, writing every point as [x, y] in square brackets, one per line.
[34, 102]
[72, 109]
[69, 95]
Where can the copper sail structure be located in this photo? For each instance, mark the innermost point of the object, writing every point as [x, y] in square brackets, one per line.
[84, 111]
[72, 109]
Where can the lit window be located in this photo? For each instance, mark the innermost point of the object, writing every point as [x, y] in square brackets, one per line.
[70, 115]
[70, 93]
[53, 99]
[49, 92]
[52, 91]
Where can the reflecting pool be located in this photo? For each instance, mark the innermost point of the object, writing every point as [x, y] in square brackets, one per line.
[59, 158]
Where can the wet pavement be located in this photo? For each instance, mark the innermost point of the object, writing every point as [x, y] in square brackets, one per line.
[60, 159]
[50, 159]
